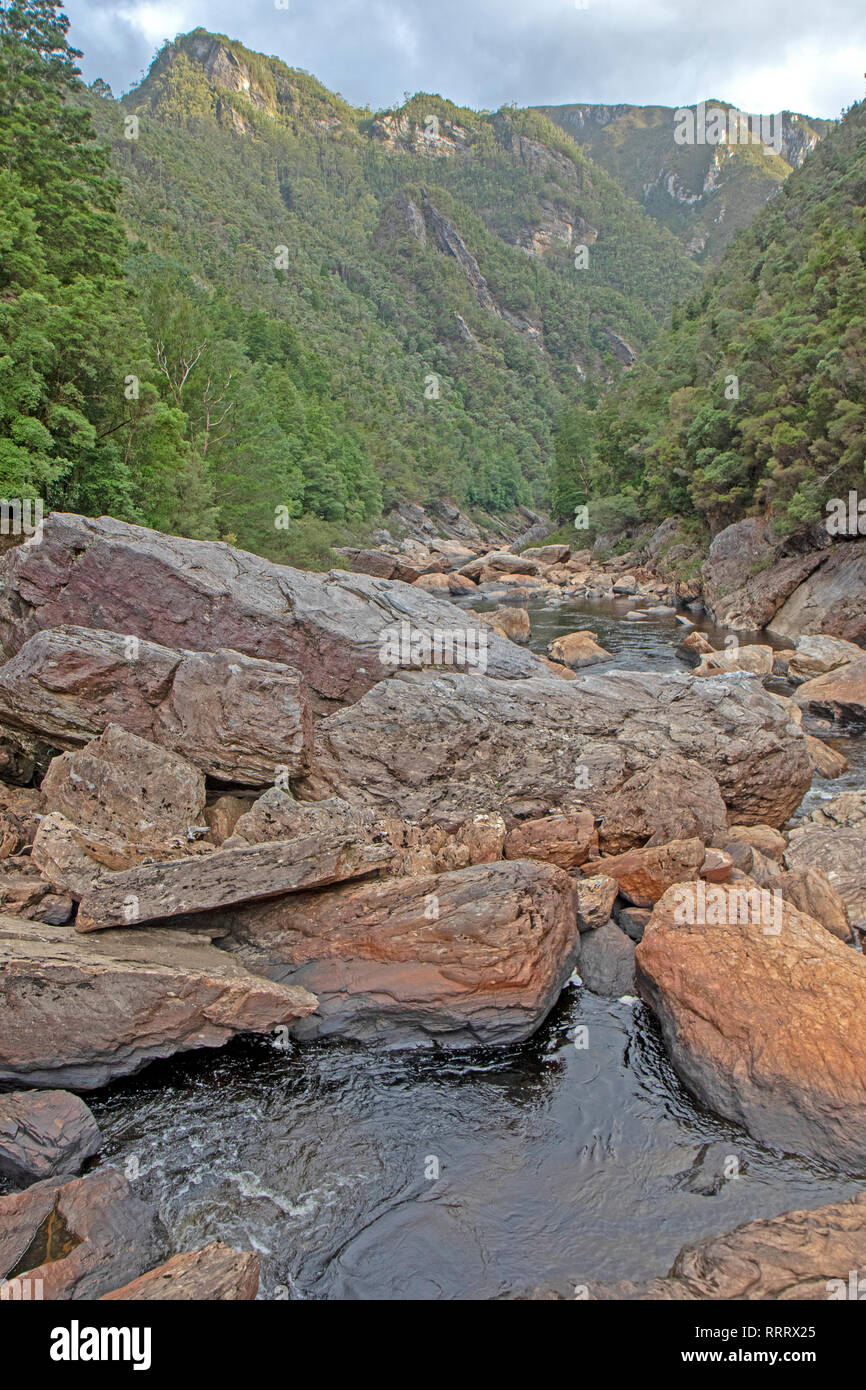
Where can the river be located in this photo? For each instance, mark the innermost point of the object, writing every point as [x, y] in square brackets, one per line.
[473, 1175]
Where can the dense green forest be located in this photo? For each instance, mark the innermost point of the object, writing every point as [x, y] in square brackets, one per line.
[233, 305]
[755, 400]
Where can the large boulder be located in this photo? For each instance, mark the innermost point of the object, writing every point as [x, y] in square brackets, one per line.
[750, 657]
[566, 839]
[816, 654]
[745, 578]
[79, 1011]
[607, 961]
[832, 599]
[442, 748]
[840, 854]
[76, 1240]
[477, 956]
[645, 874]
[236, 718]
[124, 785]
[578, 649]
[761, 1010]
[215, 1273]
[800, 1255]
[45, 1134]
[840, 694]
[202, 596]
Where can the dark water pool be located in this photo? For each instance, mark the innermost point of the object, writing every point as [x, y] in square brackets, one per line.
[556, 1165]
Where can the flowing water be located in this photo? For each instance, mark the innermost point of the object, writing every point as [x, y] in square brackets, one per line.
[556, 1166]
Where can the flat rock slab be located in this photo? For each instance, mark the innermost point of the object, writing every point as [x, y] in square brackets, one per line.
[202, 596]
[79, 1011]
[475, 956]
[45, 1134]
[214, 1273]
[762, 1017]
[240, 874]
[77, 1240]
[801, 1255]
[236, 718]
[655, 756]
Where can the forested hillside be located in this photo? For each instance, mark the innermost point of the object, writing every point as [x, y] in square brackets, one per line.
[704, 193]
[280, 304]
[755, 401]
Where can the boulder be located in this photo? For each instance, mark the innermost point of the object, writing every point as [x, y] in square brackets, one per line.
[840, 694]
[20, 812]
[755, 659]
[215, 1273]
[381, 564]
[222, 816]
[499, 562]
[477, 956]
[434, 583]
[596, 895]
[801, 1255]
[832, 599]
[45, 1134]
[236, 718]
[511, 622]
[812, 892]
[839, 853]
[760, 837]
[745, 579]
[558, 669]
[626, 584]
[828, 762]
[241, 873]
[547, 554]
[578, 649]
[80, 1011]
[607, 961]
[818, 654]
[648, 752]
[567, 839]
[459, 585]
[644, 875]
[76, 1240]
[203, 596]
[123, 785]
[848, 809]
[484, 838]
[740, 985]
[632, 920]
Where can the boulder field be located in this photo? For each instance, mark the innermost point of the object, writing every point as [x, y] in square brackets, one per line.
[233, 801]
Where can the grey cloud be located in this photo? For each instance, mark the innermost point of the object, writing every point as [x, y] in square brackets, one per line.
[482, 53]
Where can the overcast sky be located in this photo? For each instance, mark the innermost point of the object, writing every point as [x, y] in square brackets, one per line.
[789, 54]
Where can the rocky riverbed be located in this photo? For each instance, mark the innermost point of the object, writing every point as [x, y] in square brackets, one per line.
[468, 911]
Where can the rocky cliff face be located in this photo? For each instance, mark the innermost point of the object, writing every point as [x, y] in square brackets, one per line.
[703, 193]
